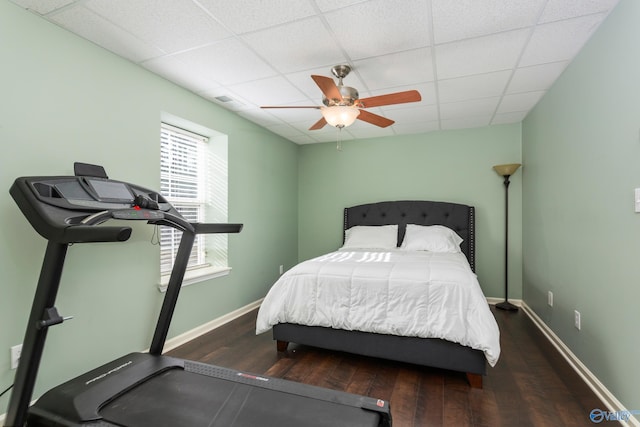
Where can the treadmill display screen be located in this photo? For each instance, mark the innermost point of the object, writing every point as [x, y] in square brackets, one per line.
[73, 190]
[111, 190]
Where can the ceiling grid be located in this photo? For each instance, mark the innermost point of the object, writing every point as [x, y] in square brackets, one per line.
[475, 63]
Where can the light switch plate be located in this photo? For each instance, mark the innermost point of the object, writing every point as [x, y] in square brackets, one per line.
[637, 199]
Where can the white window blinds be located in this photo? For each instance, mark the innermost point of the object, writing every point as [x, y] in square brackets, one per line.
[182, 182]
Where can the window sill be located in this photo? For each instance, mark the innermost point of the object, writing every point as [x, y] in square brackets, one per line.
[196, 276]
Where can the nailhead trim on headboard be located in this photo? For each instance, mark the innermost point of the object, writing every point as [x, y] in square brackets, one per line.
[460, 218]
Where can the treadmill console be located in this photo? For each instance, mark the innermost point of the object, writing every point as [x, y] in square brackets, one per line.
[65, 209]
[91, 194]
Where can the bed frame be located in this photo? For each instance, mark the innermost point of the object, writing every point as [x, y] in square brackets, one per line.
[431, 352]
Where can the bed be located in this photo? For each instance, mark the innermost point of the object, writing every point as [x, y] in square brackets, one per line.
[382, 271]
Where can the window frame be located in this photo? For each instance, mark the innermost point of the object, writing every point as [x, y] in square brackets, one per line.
[209, 142]
[182, 183]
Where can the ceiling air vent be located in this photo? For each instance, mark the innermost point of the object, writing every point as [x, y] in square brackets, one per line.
[224, 98]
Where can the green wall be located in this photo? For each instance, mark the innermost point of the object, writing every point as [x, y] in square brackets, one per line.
[453, 166]
[63, 99]
[581, 238]
[571, 205]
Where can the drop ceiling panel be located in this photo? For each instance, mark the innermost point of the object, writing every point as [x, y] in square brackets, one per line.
[382, 72]
[463, 19]
[291, 115]
[556, 10]
[228, 62]
[309, 39]
[519, 102]
[480, 55]
[169, 25]
[474, 62]
[258, 116]
[471, 87]
[559, 41]
[285, 130]
[266, 90]
[329, 5]
[536, 77]
[413, 115]
[43, 7]
[473, 108]
[177, 71]
[417, 127]
[379, 27]
[95, 28]
[244, 16]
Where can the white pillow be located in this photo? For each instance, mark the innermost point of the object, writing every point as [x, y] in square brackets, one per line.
[371, 237]
[434, 238]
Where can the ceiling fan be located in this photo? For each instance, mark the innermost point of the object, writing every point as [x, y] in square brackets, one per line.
[342, 105]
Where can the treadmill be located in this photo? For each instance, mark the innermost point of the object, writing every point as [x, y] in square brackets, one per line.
[148, 389]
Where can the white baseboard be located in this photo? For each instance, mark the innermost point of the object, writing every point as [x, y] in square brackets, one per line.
[209, 326]
[612, 404]
[494, 301]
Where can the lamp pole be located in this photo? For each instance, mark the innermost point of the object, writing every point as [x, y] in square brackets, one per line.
[506, 171]
[506, 305]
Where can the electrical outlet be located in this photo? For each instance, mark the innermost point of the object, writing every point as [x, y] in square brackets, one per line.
[16, 352]
[550, 299]
[576, 319]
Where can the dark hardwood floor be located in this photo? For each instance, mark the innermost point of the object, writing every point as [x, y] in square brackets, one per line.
[532, 385]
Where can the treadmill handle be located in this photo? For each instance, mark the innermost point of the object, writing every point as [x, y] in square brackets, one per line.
[91, 233]
[97, 218]
[202, 228]
[87, 231]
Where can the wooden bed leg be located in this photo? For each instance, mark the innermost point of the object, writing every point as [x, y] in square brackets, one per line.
[282, 345]
[475, 380]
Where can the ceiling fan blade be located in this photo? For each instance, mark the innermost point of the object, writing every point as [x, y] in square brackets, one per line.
[279, 106]
[390, 99]
[328, 87]
[319, 124]
[374, 119]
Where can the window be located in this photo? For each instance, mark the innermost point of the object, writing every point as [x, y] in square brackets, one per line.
[193, 179]
[182, 182]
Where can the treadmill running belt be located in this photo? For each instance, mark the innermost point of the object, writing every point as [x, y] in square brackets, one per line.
[180, 398]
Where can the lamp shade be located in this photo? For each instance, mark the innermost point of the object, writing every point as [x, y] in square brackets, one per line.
[340, 115]
[506, 170]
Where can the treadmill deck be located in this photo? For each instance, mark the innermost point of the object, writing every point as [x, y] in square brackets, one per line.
[143, 390]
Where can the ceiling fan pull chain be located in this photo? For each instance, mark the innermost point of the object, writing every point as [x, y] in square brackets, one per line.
[339, 138]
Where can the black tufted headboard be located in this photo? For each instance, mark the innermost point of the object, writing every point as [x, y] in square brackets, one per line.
[459, 218]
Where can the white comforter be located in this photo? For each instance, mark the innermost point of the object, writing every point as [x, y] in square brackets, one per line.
[423, 294]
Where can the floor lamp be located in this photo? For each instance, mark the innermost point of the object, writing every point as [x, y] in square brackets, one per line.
[506, 171]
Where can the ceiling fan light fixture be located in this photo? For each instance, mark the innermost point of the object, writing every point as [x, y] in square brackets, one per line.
[340, 115]
[342, 104]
